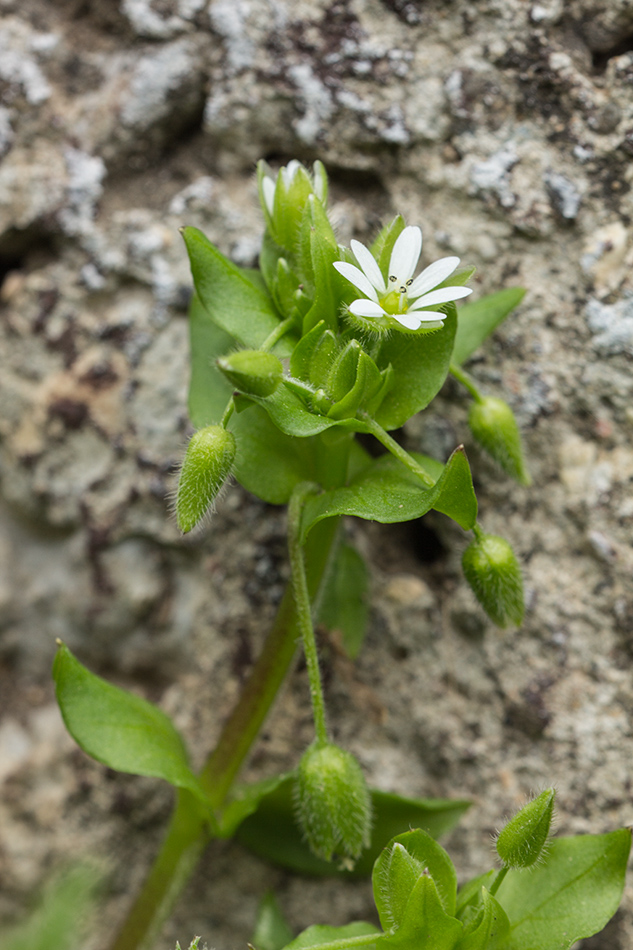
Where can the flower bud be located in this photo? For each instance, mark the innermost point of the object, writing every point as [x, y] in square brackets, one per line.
[332, 801]
[206, 466]
[523, 840]
[252, 371]
[493, 424]
[493, 572]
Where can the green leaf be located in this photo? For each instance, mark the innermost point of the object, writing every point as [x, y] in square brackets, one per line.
[272, 931]
[234, 302]
[268, 463]
[209, 391]
[119, 729]
[344, 605]
[426, 925]
[388, 492]
[479, 319]
[324, 934]
[272, 832]
[490, 927]
[469, 893]
[61, 919]
[572, 895]
[420, 365]
[291, 416]
[397, 872]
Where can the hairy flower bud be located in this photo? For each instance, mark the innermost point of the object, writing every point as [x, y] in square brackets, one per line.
[493, 424]
[493, 572]
[252, 371]
[523, 840]
[206, 466]
[333, 804]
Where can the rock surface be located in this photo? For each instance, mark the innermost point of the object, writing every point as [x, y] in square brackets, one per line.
[504, 128]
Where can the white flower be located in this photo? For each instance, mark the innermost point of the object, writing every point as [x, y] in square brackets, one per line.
[288, 173]
[402, 297]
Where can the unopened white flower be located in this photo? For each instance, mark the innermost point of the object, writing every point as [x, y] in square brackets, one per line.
[288, 173]
[402, 297]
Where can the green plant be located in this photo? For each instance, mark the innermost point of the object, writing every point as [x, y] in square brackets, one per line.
[289, 366]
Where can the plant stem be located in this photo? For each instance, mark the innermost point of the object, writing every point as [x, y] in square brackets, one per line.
[304, 607]
[228, 412]
[280, 330]
[466, 381]
[496, 884]
[188, 832]
[379, 433]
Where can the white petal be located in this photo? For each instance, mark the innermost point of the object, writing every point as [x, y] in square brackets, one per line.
[369, 265]
[433, 275]
[430, 318]
[443, 295]
[405, 255]
[366, 308]
[268, 189]
[290, 171]
[357, 278]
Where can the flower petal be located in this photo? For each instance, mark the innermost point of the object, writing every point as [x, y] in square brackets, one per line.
[405, 255]
[443, 295]
[357, 278]
[268, 190]
[415, 318]
[432, 275]
[366, 308]
[369, 265]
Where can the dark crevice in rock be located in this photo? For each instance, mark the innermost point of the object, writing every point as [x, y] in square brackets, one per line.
[424, 542]
[600, 58]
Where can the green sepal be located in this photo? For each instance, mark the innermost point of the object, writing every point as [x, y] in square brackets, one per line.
[489, 928]
[479, 319]
[493, 424]
[383, 245]
[120, 729]
[252, 371]
[332, 803]
[343, 372]
[523, 840]
[285, 287]
[493, 572]
[322, 250]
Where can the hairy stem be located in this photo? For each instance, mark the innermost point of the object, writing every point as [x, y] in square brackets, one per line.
[466, 381]
[383, 437]
[304, 607]
[188, 831]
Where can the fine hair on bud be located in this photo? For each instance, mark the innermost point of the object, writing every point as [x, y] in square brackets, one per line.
[493, 424]
[332, 803]
[207, 464]
[494, 575]
[522, 843]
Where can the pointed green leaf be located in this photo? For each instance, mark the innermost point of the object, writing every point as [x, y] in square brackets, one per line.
[572, 895]
[388, 492]
[344, 602]
[233, 300]
[324, 934]
[272, 931]
[420, 365]
[477, 320]
[119, 729]
[272, 832]
[244, 800]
